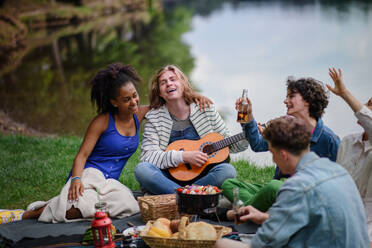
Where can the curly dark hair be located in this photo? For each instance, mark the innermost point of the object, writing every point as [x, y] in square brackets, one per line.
[313, 92]
[288, 133]
[106, 83]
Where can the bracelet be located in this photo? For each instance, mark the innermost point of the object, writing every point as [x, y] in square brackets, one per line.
[75, 178]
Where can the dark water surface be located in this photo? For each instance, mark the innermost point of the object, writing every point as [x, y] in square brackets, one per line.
[224, 46]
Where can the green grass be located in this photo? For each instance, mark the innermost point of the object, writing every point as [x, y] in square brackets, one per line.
[34, 169]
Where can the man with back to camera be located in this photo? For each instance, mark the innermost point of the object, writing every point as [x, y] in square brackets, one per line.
[319, 206]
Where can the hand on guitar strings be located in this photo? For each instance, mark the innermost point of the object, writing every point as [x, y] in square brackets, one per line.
[194, 157]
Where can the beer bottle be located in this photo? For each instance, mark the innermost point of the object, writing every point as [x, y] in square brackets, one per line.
[237, 203]
[243, 108]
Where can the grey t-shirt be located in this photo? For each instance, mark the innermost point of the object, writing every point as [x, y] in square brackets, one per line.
[179, 125]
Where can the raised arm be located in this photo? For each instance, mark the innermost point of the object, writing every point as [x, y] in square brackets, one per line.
[363, 113]
[341, 90]
[252, 133]
[220, 127]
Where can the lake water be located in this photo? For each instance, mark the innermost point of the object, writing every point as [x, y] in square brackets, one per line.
[259, 44]
[224, 46]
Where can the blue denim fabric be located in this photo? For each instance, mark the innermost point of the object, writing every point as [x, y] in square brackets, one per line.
[323, 142]
[319, 206]
[188, 133]
[157, 182]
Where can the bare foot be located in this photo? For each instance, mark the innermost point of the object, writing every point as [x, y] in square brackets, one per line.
[32, 214]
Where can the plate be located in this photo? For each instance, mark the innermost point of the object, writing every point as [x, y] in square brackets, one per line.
[133, 230]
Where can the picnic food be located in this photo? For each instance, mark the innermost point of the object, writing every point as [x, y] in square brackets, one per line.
[195, 199]
[201, 231]
[157, 232]
[174, 225]
[199, 190]
[164, 225]
[197, 234]
[182, 227]
[194, 231]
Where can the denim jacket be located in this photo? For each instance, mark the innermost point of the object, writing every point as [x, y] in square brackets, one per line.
[319, 206]
[324, 142]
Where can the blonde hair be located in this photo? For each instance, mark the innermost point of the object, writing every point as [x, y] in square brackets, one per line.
[156, 101]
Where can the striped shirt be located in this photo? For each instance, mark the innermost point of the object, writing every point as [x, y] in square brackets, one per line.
[158, 127]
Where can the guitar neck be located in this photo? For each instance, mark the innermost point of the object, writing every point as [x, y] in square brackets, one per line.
[228, 141]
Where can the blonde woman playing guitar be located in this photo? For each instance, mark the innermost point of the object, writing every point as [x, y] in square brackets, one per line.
[174, 117]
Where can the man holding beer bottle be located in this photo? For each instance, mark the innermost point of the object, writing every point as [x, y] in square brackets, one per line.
[306, 100]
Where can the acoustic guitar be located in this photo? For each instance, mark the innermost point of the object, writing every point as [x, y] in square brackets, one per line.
[213, 144]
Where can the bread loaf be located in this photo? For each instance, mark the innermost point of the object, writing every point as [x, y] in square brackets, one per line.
[163, 224]
[157, 232]
[201, 231]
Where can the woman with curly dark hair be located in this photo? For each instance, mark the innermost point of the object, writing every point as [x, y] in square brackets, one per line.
[306, 99]
[111, 139]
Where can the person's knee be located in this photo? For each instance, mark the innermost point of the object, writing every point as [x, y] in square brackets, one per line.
[227, 171]
[230, 171]
[227, 184]
[141, 170]
[272, 187]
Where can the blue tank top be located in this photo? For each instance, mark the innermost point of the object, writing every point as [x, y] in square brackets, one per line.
[112, 150]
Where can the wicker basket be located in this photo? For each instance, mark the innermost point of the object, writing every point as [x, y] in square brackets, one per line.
[157, 206]
[157, 242]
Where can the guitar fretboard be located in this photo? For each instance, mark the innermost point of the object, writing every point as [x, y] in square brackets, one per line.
[228, 141]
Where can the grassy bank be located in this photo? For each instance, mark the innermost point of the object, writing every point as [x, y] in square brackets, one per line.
[34, 169]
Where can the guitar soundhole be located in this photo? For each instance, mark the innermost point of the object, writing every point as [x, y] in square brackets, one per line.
[208, 149]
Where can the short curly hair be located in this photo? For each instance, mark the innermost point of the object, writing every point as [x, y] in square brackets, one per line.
[288, 133]
[313, 92]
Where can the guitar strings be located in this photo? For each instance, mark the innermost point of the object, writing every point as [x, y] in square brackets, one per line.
[228, 141]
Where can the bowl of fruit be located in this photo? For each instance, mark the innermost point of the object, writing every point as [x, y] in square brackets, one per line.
[195, 199]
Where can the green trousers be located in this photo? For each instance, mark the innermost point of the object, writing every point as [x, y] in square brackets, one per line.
[260, 196]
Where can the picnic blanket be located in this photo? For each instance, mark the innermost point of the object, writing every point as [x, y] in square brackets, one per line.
[32, 233]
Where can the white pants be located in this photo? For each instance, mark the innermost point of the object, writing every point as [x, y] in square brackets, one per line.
[119, 199]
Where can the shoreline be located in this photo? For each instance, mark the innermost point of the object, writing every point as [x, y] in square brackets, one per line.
[21, 21]
[8, 126]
